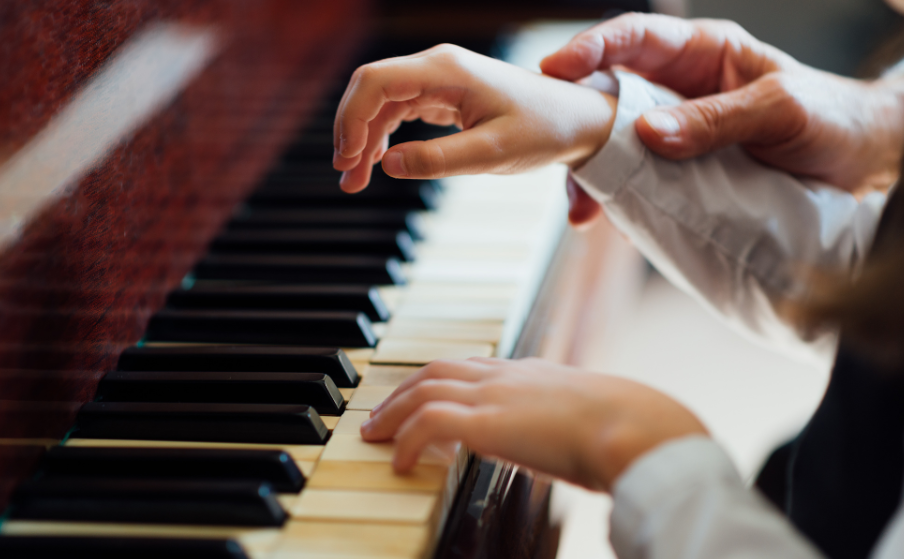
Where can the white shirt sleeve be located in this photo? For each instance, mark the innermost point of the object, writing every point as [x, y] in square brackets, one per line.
[732, 232]
[685, 500]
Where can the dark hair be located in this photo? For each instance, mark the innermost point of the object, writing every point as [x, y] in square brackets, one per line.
[869, 308]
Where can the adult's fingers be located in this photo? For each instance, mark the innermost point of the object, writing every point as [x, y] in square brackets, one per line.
[686, 55]
[385, 424]
[582, 209]
[762, 113]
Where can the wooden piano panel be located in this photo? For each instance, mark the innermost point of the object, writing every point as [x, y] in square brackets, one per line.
[80, 280]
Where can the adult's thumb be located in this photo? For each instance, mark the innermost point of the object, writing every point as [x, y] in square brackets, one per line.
[699, 126]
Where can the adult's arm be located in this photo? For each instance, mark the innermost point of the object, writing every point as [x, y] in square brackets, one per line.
[734, 233]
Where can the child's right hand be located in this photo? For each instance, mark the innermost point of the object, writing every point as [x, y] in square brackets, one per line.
[512, 120]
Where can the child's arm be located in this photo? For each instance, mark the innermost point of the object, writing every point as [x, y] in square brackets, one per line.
[512, 120]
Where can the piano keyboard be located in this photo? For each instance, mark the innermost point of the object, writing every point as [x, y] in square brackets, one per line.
[232, 430]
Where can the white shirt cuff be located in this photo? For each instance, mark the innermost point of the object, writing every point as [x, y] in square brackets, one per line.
[661, 477]
[623, 154]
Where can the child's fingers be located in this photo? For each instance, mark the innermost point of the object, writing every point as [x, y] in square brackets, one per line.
[385, 424]
[483, 149]
[434, 423]
[465, 371]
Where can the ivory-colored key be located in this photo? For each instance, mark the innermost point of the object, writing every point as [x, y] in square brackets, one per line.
[488, 331]
[304, 539]
[366, 398]
[306, 467]
[347, 393]
[362, 354]
[405, 351]
[330, 420]
[474, 271]
[510, 250]
[426, 292]
[388, 375]
[453, 311]
[378, 476]
[350, 422]
[391, 295]
[364, 506]
[352, 448]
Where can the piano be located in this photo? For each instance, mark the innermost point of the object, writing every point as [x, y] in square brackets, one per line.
[196, 320]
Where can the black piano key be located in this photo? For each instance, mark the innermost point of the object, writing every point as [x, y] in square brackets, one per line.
[79, 547]
[291, 193]
[355, 298]
[313, 389]
[310, 328]
[227, 503]
[371, 242]
[242, 359]
[387, 219]
[272, 466]
[221, 423]
[358, 270]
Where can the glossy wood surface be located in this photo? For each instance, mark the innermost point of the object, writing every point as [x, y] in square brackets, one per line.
[85, 271]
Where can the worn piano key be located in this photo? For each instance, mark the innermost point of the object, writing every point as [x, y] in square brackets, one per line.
[371, 242]
[303, 539]
[365, 299]
[240, 359]
[74, 547]
[378, 476]
[275, 467]
[318, 328]
[365, 506]
[357, 270]
[352, 448]
[227, 503]
[489, 331]
[248, 423]
[416, 195]
[350, 422]
[404, 351]
[367, 398]
[388, 375]
[313, 389]
[325, 218]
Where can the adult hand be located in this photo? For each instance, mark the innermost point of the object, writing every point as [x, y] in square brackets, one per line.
[512, 120]
[846, 132]
[583, 427]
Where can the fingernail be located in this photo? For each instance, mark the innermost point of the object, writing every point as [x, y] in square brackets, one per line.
[366, 426]
[394, 164]
[342, 144]
[342, 178]
[376, 409]
[663, 123]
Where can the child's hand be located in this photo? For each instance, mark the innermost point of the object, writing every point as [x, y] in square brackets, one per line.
[512, 120]
[583, 427]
